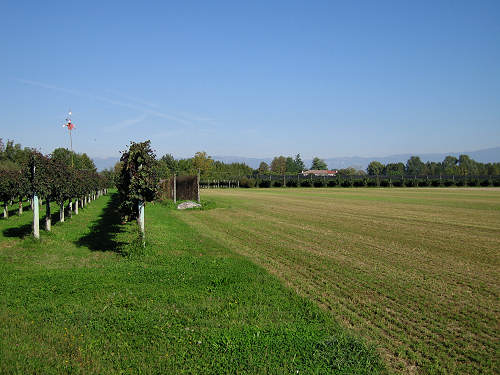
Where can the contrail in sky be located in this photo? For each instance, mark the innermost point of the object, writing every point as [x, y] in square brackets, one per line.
[145, 107]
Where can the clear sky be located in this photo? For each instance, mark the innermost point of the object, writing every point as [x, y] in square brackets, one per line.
[252, 78]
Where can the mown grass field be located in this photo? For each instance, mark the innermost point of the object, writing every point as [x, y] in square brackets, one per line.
[414, 271]
[73, 303]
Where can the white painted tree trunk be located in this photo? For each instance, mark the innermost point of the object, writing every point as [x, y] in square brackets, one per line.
[70, 207]
[36, 217]
[20, 206]
[76, 206]
[5, 211]
[140, 220]
[61, 212]
[48, 219]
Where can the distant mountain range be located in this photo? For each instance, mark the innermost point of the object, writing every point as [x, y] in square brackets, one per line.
[489, 155]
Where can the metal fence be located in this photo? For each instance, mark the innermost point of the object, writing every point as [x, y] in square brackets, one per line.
[292, 180]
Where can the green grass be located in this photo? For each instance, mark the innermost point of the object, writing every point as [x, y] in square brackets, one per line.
[413, 271]
[87, 299]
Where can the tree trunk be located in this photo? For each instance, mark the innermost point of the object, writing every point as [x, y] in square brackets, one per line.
[70, 207]
[5, 210]
[76, 206]
[48, 219]
[36, 217]
[61, 212]
[140, 220]
[20, 206]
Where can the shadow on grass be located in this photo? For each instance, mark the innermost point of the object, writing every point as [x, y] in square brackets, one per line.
[104, 230]
[19, 232]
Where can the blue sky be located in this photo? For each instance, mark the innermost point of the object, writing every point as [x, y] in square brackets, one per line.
[257, 79]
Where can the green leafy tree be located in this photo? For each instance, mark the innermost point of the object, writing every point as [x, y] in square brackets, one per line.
[394, 169]
[467, 166]
[375, 168]
[278, 165]
[8, 188]
[415, 166]
[263, 168]
[202, 162]
[290, 165]
[138, 182]
[318, 164]
[350, 171]
[167, 166]
[299, 164]
[449, 165]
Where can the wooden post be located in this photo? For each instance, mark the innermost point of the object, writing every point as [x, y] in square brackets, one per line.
[48, 219]
[175, 188]
[36, 216]
[198, 184]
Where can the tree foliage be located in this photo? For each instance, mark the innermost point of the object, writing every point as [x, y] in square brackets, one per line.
[375, 168]
[318, 164]
[278, 165]
[138, 180]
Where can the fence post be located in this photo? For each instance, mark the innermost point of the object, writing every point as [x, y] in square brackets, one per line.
[198, 184]
[175, 188]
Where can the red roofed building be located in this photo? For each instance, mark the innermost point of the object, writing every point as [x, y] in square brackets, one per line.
[319, 172]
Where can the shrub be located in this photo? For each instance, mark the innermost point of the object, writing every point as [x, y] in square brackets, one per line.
[410, 183]
[332, 183]
[460, 182]
[496, 182]
[424, 182]
[448, 183]
[347, 183]
[247, 182]
[371, 182]
[291, 183]
[265, 184]
[486, 182]
[397, 183]
[385, 183]
[319, 183]
[359, 182]
[277, 184]
[305, 183]
[473, 182]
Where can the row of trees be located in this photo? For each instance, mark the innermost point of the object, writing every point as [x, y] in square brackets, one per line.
[13, 156]
[450, 166]
[49, 178]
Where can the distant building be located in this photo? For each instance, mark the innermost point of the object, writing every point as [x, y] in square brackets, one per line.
[319, 172]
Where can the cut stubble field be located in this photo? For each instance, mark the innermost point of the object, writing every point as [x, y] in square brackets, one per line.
[414, 271]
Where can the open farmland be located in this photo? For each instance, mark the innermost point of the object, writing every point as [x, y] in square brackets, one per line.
[71, 303]
[415, 271]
